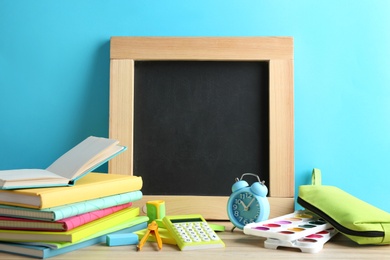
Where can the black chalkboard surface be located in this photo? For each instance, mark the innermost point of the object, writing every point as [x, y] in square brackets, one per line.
[200, 124]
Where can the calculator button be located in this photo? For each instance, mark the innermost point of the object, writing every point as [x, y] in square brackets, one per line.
[214, 237]
[197, 239]
[206, 239]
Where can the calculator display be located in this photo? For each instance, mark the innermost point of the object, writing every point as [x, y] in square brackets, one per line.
[186, 220]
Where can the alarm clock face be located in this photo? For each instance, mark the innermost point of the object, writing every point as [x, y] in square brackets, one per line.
[245, 209]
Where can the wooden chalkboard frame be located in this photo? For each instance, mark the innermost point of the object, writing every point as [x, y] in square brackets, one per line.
[278, 51]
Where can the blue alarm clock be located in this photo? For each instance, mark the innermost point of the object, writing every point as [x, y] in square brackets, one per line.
[248, 204]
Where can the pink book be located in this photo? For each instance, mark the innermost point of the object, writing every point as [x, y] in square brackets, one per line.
[59, 225]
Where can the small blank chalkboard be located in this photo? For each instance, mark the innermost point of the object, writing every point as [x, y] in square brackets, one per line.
[200, 124]
[197, 112]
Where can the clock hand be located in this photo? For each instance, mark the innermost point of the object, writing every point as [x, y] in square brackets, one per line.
[250, 202]
[245, 207]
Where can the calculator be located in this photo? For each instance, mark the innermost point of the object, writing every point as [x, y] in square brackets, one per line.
[192, 232]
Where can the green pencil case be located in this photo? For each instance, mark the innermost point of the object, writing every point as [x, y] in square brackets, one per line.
[355, 218]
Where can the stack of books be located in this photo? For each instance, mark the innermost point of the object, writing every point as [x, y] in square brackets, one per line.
[43, 218]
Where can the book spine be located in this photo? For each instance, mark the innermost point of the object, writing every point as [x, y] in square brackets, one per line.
[78, 208]
[76, 221]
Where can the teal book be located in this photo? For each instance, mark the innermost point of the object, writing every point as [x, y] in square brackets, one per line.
[46, 250]
[70, 210]
[67, 169]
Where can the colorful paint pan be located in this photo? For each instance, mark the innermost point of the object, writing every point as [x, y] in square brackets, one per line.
[288, 227]
[312, 243]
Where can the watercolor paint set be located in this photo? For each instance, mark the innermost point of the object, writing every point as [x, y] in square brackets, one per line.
[309, 244]
[301, 229]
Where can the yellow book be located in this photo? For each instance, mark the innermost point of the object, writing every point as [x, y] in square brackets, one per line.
[91, 186]
[109, 222]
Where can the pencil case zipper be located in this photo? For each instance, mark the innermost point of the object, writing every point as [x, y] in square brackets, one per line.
[337, 225]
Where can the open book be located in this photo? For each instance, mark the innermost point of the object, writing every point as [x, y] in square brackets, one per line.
[78, 161]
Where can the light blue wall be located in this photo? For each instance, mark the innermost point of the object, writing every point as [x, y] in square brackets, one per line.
[54, 76]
